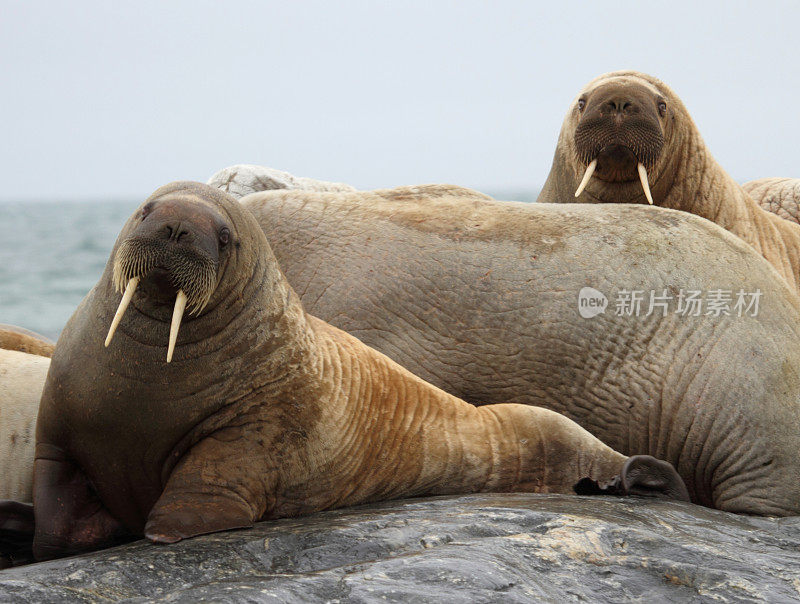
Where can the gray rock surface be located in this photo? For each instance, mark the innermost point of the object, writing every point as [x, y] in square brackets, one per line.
[475, 548]
[243, 179]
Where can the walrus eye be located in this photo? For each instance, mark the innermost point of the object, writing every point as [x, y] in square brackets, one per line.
[147, 209]
[581, 104]
[662, 108]
[224, 236]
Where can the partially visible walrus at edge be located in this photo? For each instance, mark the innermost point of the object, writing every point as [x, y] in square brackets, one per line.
[24, 360]
[215, 401]
[627, 138]
[780, 196]
[481, 298]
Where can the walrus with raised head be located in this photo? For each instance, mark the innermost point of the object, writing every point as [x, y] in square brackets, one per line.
[214, 400]
[628, 138]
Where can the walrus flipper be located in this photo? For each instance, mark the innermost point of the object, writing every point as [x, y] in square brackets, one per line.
[16, 533]
[204, 494]
[642, 476]
[70, 515]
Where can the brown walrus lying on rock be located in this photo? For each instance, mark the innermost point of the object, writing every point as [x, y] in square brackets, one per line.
[246, 408]
[483, 298]
[628, 138]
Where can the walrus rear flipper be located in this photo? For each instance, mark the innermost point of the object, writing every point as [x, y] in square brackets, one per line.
[16, 533]
[641, 475]
[71, 517]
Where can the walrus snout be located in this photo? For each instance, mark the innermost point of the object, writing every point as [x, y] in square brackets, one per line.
[619, 135]
[174, 252]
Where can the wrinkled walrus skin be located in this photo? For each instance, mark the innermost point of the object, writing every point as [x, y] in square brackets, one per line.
[480, 298]
[626, 117]
[263, 411]
[780, 196]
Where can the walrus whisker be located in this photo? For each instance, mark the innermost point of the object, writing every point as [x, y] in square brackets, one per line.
[177, 315]
[123, 304]
[645, 184]
[586, 176]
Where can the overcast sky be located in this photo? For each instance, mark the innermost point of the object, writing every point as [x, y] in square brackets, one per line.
[108, 99]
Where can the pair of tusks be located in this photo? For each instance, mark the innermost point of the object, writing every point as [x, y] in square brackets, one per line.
[177, 315]
[642, 177]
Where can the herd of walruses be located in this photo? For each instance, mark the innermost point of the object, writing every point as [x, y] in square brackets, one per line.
[251, 354]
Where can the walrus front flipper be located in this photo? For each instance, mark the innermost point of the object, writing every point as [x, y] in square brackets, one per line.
[16, 533]
[641, 475]
[70, 516]
[206, 494]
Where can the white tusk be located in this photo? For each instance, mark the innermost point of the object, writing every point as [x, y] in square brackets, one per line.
[177, 315]
[645, 184]
[586, 176]
[123, 304]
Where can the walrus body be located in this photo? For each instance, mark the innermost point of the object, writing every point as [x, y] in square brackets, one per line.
[781, 196]
[24, 340]
[24, 360]
[481, 298]
[258, 410]
[22, 378]
[625, 123]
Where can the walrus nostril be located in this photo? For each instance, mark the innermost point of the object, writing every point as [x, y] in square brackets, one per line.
[174, 232]
[619, 105]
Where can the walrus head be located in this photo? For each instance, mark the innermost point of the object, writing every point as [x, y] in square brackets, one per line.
[172, 251]
[618, 134]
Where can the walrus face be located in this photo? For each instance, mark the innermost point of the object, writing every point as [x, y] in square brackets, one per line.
[620, 132]
[173, 254]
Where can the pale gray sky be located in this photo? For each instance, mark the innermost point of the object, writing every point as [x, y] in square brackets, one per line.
[112, 99]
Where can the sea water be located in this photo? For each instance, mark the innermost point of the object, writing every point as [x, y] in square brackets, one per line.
[51, 255]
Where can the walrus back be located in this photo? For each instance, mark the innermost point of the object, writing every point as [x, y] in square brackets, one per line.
[480, 298]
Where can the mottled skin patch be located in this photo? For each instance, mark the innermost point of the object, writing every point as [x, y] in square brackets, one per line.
[491, 316]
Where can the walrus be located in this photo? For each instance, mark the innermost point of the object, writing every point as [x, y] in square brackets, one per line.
[214, 400]
[20, 339]
[24, 361]
[628, 138]
[22, 377]
[780, 196]
[482, 299]
[23, 367]
[242, 179]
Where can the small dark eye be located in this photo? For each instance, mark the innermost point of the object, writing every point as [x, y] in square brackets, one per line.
[581, 104]
[662, 107]
[224, 236]
[147, 209]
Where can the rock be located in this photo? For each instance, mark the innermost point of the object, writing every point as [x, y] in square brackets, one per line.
[243, 179]
[475, 548]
